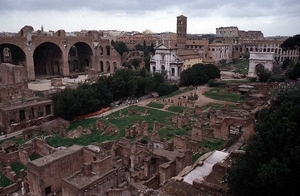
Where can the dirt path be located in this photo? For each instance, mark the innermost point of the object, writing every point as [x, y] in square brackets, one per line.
[202, 99]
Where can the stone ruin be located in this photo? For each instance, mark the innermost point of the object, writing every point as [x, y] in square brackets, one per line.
[78, 132]
[92, 75]
[56, 82]
[180, 119]
[110, 130]
[138, 130]
[58, 125]
[19, 107]
[222, 124]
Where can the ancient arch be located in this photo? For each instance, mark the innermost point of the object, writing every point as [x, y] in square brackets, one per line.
[223, 131]
[80, 56]
[47, 59]
[13, 54]
[107, 67]
[173, 72]
[101, 50]
[101, 68]
[107, 50]
[115, 66]
[263, 58]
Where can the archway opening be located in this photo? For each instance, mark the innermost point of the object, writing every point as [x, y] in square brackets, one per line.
[107, 50]
[153, 69]
[13, 54]
[173, 72]
[101, 67]
[114, 66]
[80, 54]
[235, 130]
[47, 60]
[107, 67]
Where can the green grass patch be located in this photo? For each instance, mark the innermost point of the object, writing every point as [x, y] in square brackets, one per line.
[178, 92]
[34, 156]
[222, 94]
[4, 181]
[212, 145]
[176, 109]
[156, 105]
[197, 156]
[169, 132]
[17, 166]
[94, 137]
[118, 122]
[17, 139]
[85, 123]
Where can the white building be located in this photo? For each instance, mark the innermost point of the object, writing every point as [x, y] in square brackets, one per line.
[166, 61]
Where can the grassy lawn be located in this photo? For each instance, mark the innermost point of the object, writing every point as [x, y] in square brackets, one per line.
[178, 92]
[86, 123]
[212, 145]
[119, 123]
[17, 166]
[4, 181]
[17, 140]
[222, 94]
[156, 105]
[169, 132]
[176, 109]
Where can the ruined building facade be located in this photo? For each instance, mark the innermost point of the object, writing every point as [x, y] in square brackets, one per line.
[56, 54]
[19, 107]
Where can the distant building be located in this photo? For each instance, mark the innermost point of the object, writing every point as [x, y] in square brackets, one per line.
[166, 61]
[132, 40]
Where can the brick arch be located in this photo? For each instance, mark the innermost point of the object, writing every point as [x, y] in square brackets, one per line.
[18, 56]
[223, 132]
[48, 59]
[82, 53]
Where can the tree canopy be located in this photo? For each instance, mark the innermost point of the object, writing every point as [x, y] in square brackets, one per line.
[291, 43]
[293, 72]
[270, 165]
[199, 74]
[124, 83]
[120, 47]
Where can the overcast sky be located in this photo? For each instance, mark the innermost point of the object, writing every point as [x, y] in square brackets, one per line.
[272, 17]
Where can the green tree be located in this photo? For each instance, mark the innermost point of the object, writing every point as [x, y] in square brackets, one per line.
[139, 47]
[292, 43]
[199, 74]
[293, 72]
[135, 63]
[270, 165]
[164, 89]
[120, 47]
[262, 73]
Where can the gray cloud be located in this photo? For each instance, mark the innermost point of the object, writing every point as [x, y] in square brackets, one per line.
[199, 8]
[286, 11]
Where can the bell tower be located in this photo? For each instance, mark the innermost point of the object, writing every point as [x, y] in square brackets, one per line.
[181, 31]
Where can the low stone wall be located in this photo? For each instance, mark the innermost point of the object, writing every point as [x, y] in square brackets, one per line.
[11, 188]
[207, 187]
